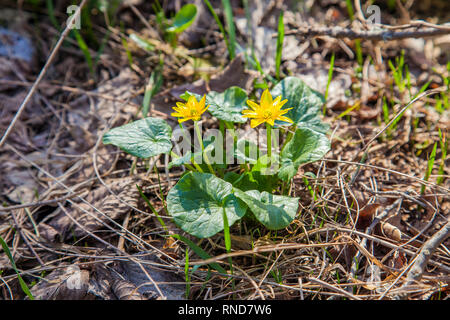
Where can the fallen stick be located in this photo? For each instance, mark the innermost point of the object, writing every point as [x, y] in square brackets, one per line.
[383, 34]
[417, 269]
[66, 31]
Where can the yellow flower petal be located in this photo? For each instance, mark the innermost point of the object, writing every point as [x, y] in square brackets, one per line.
[282, 103]
[266, 98]
[202, 102]
[284, 111]
[256, 122]
[277, 100]
[285, 119]
[268, 110]
[191, 110]
[252, 104]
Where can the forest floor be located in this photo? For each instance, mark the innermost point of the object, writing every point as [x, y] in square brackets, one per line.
[373, 219]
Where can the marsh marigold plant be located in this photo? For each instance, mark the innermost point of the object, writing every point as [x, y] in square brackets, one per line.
[212, 195]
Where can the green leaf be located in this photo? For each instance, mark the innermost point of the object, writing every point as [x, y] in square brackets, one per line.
[305, 146]
[143, 138]
[252, 180]
[267, 166]
[197, 203]
[305, 102]
[183, 19]
[273, 211]
[227, 105]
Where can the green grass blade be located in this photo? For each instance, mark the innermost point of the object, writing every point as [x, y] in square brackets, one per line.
[85, 49]
[330, 76]
[51, 15]
[142, 43]
[444, 147]
[186, 273]
[221, 28]
[200, 252]
[153, 86]
[102, 47]
[429, 167]
[23, 285]
[280, 39]
[161, 221]
[128, 52]
[228, 11]
[350, 11]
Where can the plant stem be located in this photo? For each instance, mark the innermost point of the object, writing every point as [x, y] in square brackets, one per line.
[227, 240]
[199, 169]
[199, 136]
[269, 141]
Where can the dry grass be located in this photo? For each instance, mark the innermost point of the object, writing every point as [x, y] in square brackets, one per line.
[363, 219]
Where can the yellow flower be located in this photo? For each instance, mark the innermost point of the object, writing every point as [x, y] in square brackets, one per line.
[191, 110]
[268, 110]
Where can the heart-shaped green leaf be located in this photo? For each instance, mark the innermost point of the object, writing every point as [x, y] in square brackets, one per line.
[252, 180]
[304, 101]
[227, 105]
[305, 146]
[197, 203]
[183, 19]
[142, 138]
[273, 211]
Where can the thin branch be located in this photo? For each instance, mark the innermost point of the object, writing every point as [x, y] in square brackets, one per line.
[416, 271]
[42, 73]
[385, 35]
[41, 203]
[338, 290]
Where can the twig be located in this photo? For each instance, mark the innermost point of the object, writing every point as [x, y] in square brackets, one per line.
[369, 230]
[420, 180]
[339, 290]
[268, 248]
[42, 73]
[386, 244]
[417, 269]
[41, 203]
[385, 35]
[19, 229]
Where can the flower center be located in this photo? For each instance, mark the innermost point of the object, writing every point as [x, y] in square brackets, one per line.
[267, 114]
